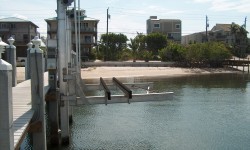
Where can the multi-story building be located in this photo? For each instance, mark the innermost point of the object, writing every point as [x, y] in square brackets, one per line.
[170, 27]
[219, 33]
[198, 37]
[23, 31]
[88, 32]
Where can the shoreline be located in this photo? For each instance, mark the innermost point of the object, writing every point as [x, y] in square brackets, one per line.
[94, 73]
[149, 72]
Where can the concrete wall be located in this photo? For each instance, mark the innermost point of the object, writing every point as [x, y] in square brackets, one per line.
[127, 64]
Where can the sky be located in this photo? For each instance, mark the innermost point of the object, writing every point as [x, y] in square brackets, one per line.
[129, 16]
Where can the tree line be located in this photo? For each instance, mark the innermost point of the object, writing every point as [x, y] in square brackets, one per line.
[156, 46]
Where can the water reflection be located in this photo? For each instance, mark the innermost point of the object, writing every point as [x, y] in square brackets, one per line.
[207, 112]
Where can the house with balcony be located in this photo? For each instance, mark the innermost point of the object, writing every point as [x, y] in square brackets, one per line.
[23, 31]
[219, 33]
[88, 32]
[170, 27]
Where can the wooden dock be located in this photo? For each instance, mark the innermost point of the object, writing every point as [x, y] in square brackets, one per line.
[239, 64]
[22, 112]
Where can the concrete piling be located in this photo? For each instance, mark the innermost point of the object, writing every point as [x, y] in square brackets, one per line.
[38, 103]
[6, 110]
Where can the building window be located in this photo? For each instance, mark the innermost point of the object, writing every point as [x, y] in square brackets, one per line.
[85, 25]
[4, 26]
[177, 26]
[156, 25]
[12, 26]
[25, 36]
[88, 39]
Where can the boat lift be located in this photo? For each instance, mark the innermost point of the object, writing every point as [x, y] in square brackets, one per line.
[127, 96]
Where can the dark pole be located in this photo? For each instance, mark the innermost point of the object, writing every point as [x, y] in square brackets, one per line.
[206, 28]
[107, 34]
[245, 24]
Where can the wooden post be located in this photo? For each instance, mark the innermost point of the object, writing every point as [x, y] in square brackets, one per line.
[27, 63]
[6, 110]
[11, 58]
[237, 63]
[233, 63]
[248, 65]
[38, 125]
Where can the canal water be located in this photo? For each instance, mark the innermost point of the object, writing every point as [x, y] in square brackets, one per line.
[207, 112]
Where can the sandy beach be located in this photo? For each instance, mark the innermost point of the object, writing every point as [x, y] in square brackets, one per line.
[109, 72]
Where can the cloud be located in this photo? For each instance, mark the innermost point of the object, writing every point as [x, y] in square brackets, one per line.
[162, 10]
[109, 2]
[227, 5]
[202, 1]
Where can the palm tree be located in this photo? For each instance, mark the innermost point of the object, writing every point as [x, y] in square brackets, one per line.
[134, 46]
[140, 40]
[239, 34]
[234, 29]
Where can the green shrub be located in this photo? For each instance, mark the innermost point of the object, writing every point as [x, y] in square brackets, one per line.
[147, 55]
[173, 52]
[126, 55]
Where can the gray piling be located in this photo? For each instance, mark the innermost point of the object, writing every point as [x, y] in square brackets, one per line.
[38, 102]
[6, 110]
[11, 58]
[27, 63]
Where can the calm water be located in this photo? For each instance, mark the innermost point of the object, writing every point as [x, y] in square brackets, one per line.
[207, 112]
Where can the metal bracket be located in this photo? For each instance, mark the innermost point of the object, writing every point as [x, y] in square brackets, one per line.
[67, 77]
[72, 69]
[68, 98]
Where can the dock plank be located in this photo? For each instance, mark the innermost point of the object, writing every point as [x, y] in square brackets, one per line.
[22, 109]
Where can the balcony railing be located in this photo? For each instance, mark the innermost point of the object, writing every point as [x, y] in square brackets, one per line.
[84, 41]
[89, 30]
[4, 30]
[86, 30]
[221, 36]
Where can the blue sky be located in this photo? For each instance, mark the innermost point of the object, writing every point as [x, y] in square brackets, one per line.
[130, 16]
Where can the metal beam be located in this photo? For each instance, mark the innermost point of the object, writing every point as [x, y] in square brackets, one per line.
[125, 89]
[106, 89]
[121, 99]
[143, 86]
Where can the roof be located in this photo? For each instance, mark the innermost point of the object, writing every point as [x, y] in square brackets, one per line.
[51, 19]
[82, 18]
[224, 27]
[15, 19]
[165, 20]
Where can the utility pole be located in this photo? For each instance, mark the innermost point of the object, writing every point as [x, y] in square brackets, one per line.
[245, 23]
[108, 16]
[207, 25]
